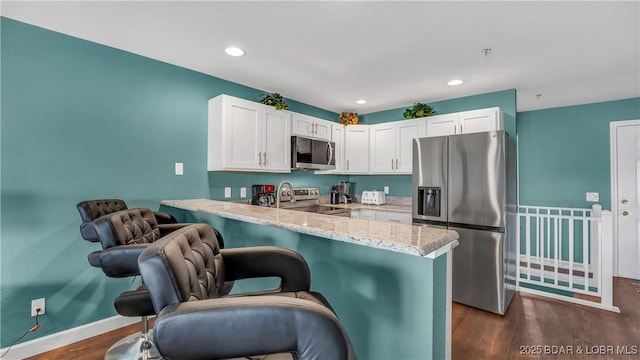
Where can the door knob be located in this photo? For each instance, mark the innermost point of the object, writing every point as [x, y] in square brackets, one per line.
[624, 201]
[625, 213]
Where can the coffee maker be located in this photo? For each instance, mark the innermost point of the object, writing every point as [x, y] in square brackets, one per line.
[340, 193]
[263, 195]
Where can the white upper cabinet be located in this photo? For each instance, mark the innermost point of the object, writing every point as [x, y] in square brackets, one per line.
[442, 125]
[383, 148]
[337, 131]
[245, 135]
[338, 138]
[391, 146]
[309, 126]
[481, 120]
[356, 149]
[465, 122]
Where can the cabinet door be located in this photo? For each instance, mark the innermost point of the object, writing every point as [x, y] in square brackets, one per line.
[242, 125]
[382, 155]
[310, 126]
[406, 131]
[393, 217]
[338, 139]
[367, 214]
[277, 141]
[301, 124]
[441, 125]
[322, 129]
[480, 120]
[357, 149]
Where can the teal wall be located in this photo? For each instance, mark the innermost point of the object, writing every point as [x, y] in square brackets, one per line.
[85, 121]
[391, 304]
[565, 152]
[81, 121]
[400, 185]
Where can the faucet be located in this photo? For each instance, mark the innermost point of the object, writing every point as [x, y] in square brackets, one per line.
[279, 194]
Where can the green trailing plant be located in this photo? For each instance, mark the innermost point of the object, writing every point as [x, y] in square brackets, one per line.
[418, 110]
[274, 99]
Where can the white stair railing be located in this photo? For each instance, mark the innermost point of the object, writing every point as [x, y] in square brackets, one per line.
[565, 253]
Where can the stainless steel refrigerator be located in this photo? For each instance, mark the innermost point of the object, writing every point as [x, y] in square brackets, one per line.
[467, 183]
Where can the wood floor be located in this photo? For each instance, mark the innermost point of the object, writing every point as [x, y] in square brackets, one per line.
[533, 328]
[540, 328]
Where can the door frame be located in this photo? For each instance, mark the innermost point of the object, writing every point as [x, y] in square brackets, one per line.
[613, 127]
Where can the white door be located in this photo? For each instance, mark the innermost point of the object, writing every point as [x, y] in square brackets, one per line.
[383, 148]
[627, 201]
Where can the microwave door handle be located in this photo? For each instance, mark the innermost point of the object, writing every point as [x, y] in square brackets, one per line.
[330, 151]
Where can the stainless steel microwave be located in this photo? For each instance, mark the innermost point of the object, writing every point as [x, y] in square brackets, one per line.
[312, 154]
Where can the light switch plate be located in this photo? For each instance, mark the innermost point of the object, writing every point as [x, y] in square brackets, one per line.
[227, 192]
[179, 168]
[386, 190]
[243, 192]
[593, 196]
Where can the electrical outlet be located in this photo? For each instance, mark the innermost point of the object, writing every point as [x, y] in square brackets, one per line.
[179, 168]
[386, 190]
[37, 304]
[243, 192]
[593, 196]
[227, 192]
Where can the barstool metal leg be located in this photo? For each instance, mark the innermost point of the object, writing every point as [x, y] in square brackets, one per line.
[135, 346]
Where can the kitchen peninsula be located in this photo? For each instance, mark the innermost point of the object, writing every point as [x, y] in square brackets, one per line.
[390, 284]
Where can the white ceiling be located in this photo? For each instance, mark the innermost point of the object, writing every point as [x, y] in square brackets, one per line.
[391, 53]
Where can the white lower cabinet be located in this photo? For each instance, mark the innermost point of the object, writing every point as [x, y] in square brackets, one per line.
[394, 217]
[247, 136]
[383, 216]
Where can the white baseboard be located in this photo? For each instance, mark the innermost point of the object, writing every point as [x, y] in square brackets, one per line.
[67, 337]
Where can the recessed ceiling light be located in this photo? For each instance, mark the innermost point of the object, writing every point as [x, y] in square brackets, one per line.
[361, 101]
[455, 82]
[234, 51]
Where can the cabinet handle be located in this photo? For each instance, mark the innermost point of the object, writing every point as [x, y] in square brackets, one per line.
[260, 158]
[347, 164]
[396, 164]
[460, 128]
[265, 159]
[315, 127]
[392, 164]
[455, 129]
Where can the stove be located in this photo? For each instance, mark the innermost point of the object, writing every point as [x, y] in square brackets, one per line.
[307, 199]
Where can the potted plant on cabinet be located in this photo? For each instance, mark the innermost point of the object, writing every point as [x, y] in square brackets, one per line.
[418, 110]
[348, 118]
[274, 99]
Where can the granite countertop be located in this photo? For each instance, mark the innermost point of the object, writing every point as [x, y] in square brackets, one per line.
[409, 239]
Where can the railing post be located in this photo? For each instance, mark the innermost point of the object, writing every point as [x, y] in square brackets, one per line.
[596, 241]
[606, 257]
